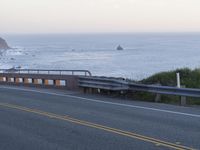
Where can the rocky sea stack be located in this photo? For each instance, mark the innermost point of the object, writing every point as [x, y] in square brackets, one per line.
[120, 47]
[3, 44]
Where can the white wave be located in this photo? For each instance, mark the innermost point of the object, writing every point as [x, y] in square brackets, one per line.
[16, 51]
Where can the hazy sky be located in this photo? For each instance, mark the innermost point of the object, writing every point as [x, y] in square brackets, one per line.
[64, 16]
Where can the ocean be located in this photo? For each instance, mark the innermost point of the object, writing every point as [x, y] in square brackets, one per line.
[144, 53]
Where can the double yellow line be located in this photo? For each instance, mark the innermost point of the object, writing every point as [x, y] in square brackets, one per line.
[98, 126]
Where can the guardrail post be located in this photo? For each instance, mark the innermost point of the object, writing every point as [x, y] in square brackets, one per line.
[84, 90]
[35, 81]
[109, 92]
[158, 98]
[8, 79]
[16, 80]
[183, 101]
[57, 82]
[45, 81]
[25, 80]
[90, 90]
[1, 79]
[87, 90]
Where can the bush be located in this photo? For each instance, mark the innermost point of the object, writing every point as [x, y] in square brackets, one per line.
[189, 78]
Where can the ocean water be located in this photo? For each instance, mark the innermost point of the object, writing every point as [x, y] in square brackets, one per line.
[144, 53]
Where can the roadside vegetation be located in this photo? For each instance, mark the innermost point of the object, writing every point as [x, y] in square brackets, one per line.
[189, 79]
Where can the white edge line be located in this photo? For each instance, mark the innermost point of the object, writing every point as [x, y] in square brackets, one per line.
[105, 102]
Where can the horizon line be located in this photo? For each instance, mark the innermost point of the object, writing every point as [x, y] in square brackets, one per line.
[79, 33]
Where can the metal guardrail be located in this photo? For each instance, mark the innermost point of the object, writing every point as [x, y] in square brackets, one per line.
[86, 80]
[189, 92]
[45, 71]
[121, 85]
[102, 83]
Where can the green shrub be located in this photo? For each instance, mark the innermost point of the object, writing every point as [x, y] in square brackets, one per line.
[189, 78]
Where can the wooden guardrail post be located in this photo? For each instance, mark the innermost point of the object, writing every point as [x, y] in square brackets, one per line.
[35, 81]
[8, 79]
[158, 98]
[25, 80]
[84, 90]
[87, 90]
[16, 80]
[1, 79]
[57, 82]
[183, 99]
[45, 81]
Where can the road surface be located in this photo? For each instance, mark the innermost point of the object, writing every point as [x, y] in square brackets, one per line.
[44, 119]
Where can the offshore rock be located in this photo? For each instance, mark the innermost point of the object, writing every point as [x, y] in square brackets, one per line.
[120, 48]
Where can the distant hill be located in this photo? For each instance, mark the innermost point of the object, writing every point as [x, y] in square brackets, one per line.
[3, 44]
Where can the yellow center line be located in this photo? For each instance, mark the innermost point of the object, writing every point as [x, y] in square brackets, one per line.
[98, 126]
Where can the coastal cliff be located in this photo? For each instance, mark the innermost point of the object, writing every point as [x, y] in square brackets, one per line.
[3, 44]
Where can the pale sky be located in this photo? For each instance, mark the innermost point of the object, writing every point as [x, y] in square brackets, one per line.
[80, 16]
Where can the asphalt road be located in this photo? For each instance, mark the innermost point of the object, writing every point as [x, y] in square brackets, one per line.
[41, 119]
